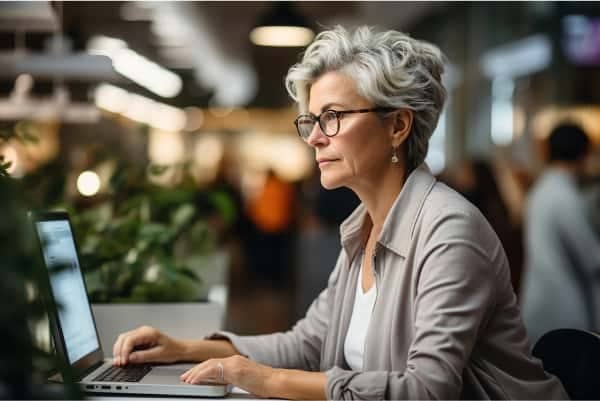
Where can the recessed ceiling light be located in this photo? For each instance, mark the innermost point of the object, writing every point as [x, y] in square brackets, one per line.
[281, 36]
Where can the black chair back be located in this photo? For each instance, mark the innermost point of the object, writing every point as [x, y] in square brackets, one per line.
[574, 357]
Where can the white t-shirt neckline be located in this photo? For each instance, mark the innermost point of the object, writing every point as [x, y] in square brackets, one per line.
[354, 345]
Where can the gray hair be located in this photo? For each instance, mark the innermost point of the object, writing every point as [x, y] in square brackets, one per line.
[390, 69]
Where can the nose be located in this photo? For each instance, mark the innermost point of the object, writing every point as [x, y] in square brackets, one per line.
[317, 137]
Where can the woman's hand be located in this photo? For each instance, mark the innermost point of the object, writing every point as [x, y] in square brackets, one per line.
[146, 344]
[237, 370]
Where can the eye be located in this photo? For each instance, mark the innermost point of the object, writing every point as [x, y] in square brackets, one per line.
[329, 117]
[305, 121]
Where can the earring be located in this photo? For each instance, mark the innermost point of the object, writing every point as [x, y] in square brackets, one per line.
[395, 159]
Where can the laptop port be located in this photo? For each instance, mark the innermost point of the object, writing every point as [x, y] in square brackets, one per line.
[105, 387]
[89, 386]
[118, 387]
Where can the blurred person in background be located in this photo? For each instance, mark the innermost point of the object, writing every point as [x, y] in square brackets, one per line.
[269, 244]
[562, 279]
[419, 304]
[318, 244]
[591, 188]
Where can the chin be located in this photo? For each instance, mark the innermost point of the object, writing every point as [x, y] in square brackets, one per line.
[330, 182]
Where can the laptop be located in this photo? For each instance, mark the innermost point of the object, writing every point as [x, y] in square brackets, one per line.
[74, 328]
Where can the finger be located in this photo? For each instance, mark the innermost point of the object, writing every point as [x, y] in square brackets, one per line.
[118, 345]
[116, 349]
[205, 374]
[146, 355]
[190, 371]
[128, 344]
[199, 376]
[137, 337]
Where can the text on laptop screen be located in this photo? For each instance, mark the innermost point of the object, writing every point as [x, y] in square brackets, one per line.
[68, 288]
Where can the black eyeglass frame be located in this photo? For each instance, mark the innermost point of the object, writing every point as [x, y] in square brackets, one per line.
[338, 114]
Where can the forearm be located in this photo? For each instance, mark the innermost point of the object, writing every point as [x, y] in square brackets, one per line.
[201, 350]
[297, 385]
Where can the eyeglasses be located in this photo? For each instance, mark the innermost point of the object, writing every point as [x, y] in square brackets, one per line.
[329, 121]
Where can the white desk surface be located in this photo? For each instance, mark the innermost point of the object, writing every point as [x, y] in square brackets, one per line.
[235, 394]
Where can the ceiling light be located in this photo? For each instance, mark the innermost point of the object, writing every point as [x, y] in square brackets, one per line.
[111, 98]
[282, 26]
[139, 108]
[137, 68]
[281, 36]
[147, 73]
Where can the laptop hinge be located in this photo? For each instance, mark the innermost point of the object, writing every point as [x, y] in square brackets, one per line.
[91, 369]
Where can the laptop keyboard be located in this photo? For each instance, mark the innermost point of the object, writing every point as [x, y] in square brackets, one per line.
[132, 373]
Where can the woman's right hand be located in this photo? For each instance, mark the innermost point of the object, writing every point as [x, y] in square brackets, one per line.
[146, 344]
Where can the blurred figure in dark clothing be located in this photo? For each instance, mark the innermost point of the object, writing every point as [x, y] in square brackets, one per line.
[318, 244]
[269, 243]
[561, 286]
[333, 206]
[476, 181]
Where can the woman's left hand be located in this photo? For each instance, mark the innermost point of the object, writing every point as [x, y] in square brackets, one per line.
[237, 370]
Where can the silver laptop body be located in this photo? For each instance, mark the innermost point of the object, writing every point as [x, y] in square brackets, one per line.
[74, 329]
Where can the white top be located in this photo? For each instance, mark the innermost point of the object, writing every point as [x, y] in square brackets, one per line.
[354, 346]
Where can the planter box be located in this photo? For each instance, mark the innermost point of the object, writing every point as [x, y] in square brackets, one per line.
[180, 320]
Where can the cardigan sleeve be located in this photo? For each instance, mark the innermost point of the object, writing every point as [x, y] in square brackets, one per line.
[298, 348]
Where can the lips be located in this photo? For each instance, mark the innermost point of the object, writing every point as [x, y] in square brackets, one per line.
[324, 160]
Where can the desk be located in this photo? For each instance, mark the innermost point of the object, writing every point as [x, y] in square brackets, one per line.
[235, 395]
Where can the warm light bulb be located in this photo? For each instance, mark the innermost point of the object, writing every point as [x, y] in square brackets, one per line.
[281, 36]
[88, 183]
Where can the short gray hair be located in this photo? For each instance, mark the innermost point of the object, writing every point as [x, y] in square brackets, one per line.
[390, 69]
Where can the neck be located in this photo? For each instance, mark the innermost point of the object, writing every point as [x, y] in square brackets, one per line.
[379, 195]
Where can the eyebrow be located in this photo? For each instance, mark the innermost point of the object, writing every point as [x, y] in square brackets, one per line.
[328, 106]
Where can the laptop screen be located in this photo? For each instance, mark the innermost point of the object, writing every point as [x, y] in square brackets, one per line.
[68, 288]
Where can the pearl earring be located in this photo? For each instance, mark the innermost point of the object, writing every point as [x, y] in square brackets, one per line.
[395, 159]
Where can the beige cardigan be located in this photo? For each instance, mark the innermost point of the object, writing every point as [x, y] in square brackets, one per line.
[445, 325]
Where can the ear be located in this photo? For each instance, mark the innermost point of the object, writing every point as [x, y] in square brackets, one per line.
[403, 122]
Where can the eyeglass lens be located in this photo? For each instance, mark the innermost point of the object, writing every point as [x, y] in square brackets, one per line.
[305, 125]
[328, 122]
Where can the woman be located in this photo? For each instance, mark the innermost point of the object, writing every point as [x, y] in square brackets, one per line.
[420, 303]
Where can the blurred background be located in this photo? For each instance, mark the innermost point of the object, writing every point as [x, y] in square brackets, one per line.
[165, 129]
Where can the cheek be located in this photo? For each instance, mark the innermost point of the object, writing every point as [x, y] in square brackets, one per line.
[362, 156]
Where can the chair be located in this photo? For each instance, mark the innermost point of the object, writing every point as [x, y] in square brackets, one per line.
[574, 357]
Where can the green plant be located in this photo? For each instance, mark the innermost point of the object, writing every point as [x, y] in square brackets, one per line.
[139, 244]
[22, 132]
[24, 365]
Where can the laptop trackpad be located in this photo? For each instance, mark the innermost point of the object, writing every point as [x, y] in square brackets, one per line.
[166, 374]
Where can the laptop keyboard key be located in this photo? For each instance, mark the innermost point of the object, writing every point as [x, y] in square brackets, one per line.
[131, 374]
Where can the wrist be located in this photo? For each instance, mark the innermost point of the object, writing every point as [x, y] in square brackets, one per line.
[184, 349]
[276, 383]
